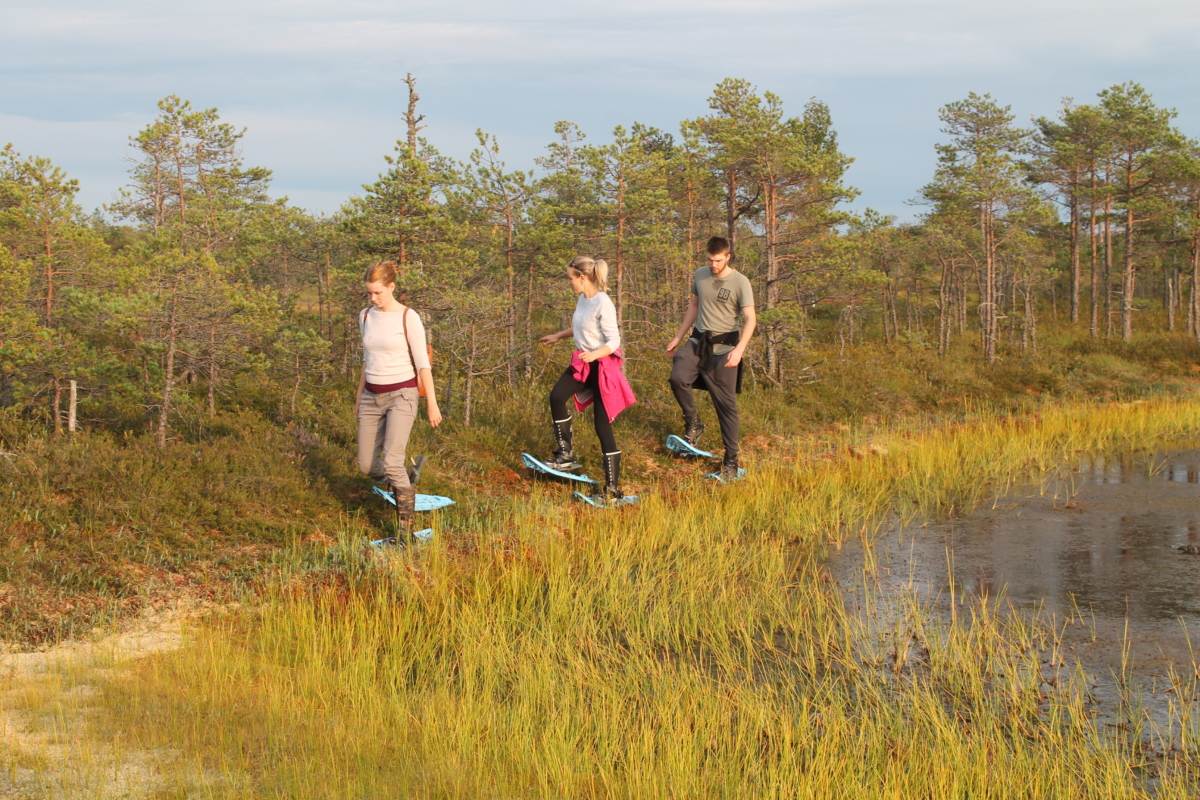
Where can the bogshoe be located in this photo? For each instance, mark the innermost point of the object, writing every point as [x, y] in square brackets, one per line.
[693, 430]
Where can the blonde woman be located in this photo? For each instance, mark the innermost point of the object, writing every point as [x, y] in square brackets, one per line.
[595, 376]
[395, 361]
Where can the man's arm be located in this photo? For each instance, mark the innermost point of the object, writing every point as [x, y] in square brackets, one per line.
[735, 355]
[689, 319]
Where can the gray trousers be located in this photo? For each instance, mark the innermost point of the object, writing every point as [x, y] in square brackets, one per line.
[722, 385]
[384, 423]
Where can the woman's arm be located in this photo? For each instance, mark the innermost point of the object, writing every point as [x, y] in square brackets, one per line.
[555, 337]
[425, 378]
[421, 366]
[588, 358]
[362, 384]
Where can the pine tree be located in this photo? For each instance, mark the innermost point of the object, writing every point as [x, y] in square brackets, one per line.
[978, 170]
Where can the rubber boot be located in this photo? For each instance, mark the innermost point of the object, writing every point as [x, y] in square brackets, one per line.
[611, 493]
[693, 429]
[563, 458]
[729, 466]
[414, 472]
[406, 506]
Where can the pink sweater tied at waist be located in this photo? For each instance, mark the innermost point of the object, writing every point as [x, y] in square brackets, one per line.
[615, 391]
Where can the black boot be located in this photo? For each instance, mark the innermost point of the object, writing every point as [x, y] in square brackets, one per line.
[729, 466]
[693, 428]
[563, 458]
[414, 472]
[612, 477]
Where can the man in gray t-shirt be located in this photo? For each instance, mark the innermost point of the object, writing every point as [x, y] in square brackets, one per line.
[720, 301]
[713, 352]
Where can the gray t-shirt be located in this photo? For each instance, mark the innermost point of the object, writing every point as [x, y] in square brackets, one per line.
[720, 302]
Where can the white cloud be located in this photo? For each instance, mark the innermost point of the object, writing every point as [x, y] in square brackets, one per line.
[823, 36]
[318, 83]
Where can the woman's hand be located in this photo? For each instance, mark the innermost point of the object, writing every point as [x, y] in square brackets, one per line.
[434, 413]
[551, 339]
[594, 355]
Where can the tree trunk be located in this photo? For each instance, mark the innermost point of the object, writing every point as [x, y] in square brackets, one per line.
[470, 390]
[620, 250]
[731, 207]
[888, 314]
[945, 308]
[1031, 319]
[411, 118]
[57, 406]
[169, 377]
[771, 223]
[1095, 251]
[1169, 301]
[48, 255]
[1128, 277]
[71, 408]
[529, 322]
[1108, 298]
[987, 302]
[1194, 293]
[511, 311]
[212, 369]
[1075, 266]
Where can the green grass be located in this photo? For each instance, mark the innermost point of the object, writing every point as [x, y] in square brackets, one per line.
[687, 647]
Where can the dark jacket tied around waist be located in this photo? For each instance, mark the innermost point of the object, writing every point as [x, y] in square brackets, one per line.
[704, 351]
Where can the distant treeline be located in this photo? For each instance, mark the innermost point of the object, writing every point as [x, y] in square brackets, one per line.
[195, 291]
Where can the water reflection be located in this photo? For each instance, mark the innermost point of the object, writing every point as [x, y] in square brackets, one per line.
[1103, 541]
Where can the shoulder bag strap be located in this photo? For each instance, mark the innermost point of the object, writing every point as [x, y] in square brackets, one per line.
[404, 321]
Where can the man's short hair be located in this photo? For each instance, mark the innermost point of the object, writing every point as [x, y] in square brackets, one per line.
[717, 245]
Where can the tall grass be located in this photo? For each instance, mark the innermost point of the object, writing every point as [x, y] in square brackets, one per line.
[688, 647]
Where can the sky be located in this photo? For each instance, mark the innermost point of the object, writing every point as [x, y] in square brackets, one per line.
[319, 86]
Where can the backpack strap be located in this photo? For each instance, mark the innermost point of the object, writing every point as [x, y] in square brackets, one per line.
[404, 321]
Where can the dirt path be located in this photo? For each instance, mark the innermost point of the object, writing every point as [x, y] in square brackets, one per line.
[44, 701]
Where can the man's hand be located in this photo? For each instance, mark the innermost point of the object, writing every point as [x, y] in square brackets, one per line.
[734, 358]
[673, 346]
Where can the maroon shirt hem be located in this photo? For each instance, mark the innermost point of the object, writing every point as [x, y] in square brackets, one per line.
[375, 388]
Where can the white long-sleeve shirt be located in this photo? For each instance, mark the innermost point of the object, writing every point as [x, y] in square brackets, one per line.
[594, 323]
[386, 357]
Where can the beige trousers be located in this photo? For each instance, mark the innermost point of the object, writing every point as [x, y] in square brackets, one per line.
[384, 423]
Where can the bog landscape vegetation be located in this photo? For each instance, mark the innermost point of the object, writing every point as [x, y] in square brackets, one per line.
[176, 443]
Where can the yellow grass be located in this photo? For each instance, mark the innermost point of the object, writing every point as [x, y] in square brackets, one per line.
[687, 647]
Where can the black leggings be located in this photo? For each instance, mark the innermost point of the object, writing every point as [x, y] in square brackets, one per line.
[561, 394]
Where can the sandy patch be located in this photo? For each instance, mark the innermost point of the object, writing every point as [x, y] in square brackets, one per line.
[42, 754]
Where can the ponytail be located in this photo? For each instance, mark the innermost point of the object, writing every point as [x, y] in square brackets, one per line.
[596, 270]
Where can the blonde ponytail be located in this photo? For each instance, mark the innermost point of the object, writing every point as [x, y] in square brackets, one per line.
[596, 270]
